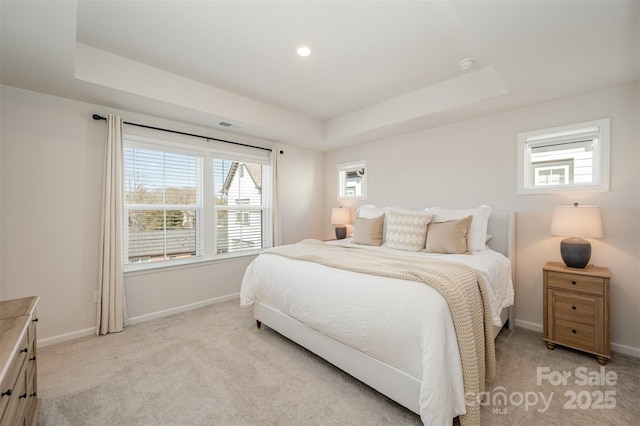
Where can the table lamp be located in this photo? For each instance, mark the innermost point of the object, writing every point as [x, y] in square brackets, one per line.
[340, 217]
[576, 222]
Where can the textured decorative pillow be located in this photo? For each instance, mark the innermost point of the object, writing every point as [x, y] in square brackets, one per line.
[368, 231]
[477, 238]
[449, 237]
[406, 230]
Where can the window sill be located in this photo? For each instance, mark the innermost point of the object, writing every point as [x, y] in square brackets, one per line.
[152, 268]
[557, 189]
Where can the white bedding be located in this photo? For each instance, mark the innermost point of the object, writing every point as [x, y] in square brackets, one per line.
[495, 267]
[404, 324]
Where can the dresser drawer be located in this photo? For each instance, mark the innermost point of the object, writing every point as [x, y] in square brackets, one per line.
[575, 307]
[10, 379]
[586, 284]
[574, 334]
[17, 404]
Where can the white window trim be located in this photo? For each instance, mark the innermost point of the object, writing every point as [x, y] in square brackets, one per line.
[526, 140]
[208, 240]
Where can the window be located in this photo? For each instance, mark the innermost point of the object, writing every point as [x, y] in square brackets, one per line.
[163, 194]
[241, 182]
[179, 201]
[567, 158]
[352, 180]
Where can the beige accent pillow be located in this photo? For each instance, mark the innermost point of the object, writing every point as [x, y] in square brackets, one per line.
[406, 230]
[449, 237]
[477, 238]
[368, 231]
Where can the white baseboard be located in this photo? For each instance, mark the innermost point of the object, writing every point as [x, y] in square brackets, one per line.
[615, 347]
[66, 337]
[625, 350]
[183, 308]
[136, 320]
[529, 325]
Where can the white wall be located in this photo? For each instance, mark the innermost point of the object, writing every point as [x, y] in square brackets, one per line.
[51, 189]
[474, 162]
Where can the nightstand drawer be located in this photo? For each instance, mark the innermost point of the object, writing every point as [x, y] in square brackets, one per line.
[575, 334]
[575, 307]
[593, 285]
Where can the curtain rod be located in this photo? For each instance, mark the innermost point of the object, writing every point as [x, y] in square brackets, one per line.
[99, 117]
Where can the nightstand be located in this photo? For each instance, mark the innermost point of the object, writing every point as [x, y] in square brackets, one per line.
[576, 308]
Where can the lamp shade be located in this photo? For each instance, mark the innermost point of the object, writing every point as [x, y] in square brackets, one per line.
[577, 221]
[340, 216]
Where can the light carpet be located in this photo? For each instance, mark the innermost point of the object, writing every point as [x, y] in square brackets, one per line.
[211, 366]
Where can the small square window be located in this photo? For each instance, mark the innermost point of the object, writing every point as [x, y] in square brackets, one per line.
[352, 181]
[573, 158]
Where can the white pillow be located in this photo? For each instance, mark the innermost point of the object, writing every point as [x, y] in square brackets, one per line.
[369, 211]
[478, 232]
[406, 229]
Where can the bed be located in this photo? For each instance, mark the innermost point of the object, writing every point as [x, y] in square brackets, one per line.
[349, 318]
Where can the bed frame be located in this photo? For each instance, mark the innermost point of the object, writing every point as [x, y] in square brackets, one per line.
[395, 384]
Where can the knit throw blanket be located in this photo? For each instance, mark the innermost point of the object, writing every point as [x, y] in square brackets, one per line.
[460, 285]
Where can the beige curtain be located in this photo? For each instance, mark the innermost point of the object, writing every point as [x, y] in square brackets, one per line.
[275, 207]
[112, 309]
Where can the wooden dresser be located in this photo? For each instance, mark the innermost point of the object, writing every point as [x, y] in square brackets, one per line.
[19, 403]
[576, 308]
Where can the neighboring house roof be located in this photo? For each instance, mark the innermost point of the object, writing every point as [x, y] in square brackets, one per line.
[227, 182]
[253, 169]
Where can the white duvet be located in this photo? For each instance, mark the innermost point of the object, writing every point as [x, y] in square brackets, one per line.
[404, 324]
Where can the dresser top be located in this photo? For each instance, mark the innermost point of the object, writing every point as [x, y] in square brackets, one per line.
[16, 307]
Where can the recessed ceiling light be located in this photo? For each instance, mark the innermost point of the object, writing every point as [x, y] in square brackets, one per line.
[303, 50]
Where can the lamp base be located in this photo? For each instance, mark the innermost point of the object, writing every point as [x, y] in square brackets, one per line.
[575, 252]
[341, 232]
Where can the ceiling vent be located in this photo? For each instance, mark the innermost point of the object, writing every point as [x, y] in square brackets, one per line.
[467, 64]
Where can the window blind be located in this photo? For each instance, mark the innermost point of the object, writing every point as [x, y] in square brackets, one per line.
[241, 205]
[163, 192]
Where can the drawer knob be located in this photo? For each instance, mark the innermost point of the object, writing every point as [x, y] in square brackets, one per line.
[24, 395]
[573, 282]
[573, 307]
[573, 331]
[7, 392]
[33, 358]
[33, 394]
[35, 320]
[25, 350]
